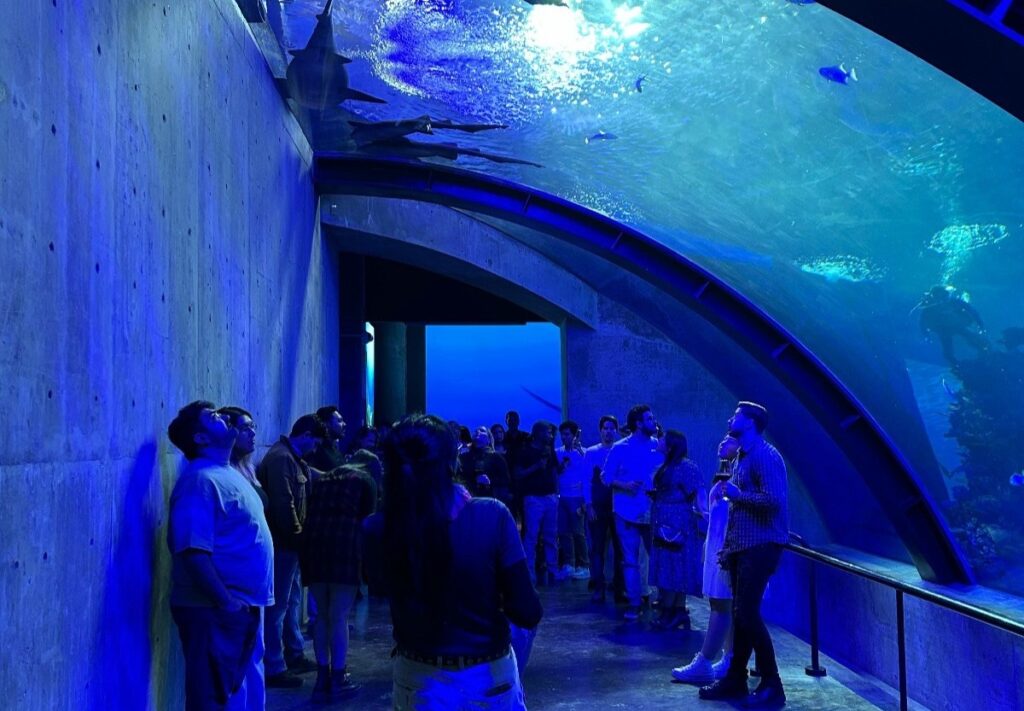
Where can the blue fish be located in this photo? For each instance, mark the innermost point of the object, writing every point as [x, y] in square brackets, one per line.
[639, 83]
[802, 2]
[601, 136]
[840, 74]
[1017, 479]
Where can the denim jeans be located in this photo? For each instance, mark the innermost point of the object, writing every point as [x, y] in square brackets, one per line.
[286, 573]
[541, 519]
[492, 686]
[572, 543]
[749, 571]
[220, 651]
[633, 536]
[330, 631]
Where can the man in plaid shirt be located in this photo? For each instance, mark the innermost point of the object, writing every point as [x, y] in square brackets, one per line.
[758, 528]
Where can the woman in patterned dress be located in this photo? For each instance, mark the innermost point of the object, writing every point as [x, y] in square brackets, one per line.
[675, 558]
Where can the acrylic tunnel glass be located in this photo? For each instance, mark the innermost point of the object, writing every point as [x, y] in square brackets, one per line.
[868, 202]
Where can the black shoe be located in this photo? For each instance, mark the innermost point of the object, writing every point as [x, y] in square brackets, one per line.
[322, 687]
[301, 665]
[284, 680]
[766, 696]
[342, 686]
[724, 690]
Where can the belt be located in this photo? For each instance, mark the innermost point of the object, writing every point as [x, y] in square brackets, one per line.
[444, 661]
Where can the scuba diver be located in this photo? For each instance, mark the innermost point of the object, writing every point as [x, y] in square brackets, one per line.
[944, 312]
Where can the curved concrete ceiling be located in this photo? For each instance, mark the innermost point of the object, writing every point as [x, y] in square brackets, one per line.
[459, 247]
[842, 416]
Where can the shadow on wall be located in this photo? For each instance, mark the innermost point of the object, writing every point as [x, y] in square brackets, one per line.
[120, 668]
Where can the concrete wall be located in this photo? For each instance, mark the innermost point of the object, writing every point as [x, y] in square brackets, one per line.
[623, 361]
[160, 243]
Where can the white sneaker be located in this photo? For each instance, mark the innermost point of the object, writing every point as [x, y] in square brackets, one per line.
[699, 671]
[721, 667]
[581, 573]
[567, 570]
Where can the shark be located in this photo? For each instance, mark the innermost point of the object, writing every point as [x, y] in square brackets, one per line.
[316, 77]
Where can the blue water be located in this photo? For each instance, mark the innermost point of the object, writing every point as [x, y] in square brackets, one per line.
[834, 207]
[475, 374]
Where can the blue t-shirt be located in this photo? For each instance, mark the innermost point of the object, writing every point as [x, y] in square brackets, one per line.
[214, 509]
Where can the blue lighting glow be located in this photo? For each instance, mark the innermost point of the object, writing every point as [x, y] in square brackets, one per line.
[475, 374]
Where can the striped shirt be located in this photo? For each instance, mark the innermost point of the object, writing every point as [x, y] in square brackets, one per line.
[759, 513]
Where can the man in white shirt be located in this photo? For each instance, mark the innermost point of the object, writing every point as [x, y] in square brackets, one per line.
[629, 472]
[222, 562]
[572, 477]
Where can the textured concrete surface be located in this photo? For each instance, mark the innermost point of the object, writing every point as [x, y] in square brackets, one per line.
[160, 243]
[460, 247]
[585, 657]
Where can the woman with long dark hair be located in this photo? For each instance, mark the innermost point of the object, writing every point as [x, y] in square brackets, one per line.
[450, 604]
[675, 560]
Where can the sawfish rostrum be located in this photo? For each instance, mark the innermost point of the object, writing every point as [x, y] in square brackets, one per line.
[317, 78]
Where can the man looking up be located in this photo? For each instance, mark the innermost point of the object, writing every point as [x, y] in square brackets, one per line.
[328, 454]
[286, 479]
[536, 478]
[757, 529]
[598, 499]
[629, 472]
[221, 562]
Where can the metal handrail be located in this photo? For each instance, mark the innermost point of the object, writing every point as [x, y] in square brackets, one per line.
[964, 608]
[902, 589]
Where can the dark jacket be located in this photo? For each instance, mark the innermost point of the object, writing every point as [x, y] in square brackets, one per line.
[285, 478]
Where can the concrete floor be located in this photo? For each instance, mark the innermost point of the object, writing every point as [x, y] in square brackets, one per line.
[586, 657]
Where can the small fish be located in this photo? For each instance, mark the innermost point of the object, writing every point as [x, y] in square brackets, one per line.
[1017, 479]
[840, 74]
[639, 83]
[802, 2]
[556, 3]
[601, 136]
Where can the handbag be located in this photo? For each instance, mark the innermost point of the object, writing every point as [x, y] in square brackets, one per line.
[668, 536]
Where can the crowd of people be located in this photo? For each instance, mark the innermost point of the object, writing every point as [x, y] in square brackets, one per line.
[459, 528]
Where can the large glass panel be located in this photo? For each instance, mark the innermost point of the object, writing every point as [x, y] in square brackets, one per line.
[868, 202]
[475, 374]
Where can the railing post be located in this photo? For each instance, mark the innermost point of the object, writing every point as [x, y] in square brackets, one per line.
[815, 669]
[901, 641]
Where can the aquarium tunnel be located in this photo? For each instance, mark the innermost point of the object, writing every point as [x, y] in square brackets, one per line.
[561, 208]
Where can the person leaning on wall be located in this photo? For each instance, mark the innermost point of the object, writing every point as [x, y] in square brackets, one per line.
[222, 559]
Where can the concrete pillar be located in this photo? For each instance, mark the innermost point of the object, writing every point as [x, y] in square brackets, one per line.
[415, 367]
[390, 363]
[352, 340]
